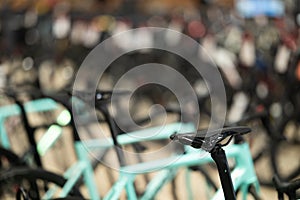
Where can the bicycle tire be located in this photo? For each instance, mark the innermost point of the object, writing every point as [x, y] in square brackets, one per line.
[282, 150]
[261, 155]
[10, 158]
[35, 181]
[276, 161]
[260, 142]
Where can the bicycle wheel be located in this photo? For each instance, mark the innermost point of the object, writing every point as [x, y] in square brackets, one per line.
[35, 181]
[285, 160]
[8, 159]
[260, 145]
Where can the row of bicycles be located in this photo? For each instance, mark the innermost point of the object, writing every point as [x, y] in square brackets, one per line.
[266, 103]
[274, 132]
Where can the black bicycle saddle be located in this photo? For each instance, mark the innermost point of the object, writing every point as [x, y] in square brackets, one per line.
[286, 187]
[208, 139]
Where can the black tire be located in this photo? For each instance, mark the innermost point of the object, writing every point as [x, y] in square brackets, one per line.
[283, 150]
[35, 181]
[8, 159]
[287, 169]
[259, 141]
[277, 153]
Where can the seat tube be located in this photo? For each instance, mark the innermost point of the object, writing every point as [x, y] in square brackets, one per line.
[114, 134]
[219, 156]
[89, 177]
[29, 133]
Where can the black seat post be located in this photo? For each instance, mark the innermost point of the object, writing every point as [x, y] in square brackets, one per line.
[114, 133]
[30, 133]
[210, 141]
[219, 156]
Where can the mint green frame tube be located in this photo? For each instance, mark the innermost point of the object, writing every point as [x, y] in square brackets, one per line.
[39, 105]
[141, 135]
[88, 172]
[83, 168]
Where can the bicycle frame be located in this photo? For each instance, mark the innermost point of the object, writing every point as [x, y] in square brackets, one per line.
[47, 140]
[243, 175]
[83, 165]
[33, 106]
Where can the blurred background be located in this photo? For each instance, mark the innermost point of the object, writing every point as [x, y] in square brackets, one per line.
[51, 36]
[255, 44]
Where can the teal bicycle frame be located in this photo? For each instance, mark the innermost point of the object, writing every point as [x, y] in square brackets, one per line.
[48, 139]
[243, 175]
[34, 106]
[84, 168]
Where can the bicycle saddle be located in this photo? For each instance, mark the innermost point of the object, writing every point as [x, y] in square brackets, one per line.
[286, 187]
[208, 139]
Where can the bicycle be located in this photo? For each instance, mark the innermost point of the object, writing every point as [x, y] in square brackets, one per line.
[84, 167]
[244, 175]
[14, 169]
[165, 175]
[126, 180]
[74, 179]
[36, 149]
[210, 141]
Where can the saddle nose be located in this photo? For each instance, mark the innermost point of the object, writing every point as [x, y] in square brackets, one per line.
[173, 137]
[188, 139]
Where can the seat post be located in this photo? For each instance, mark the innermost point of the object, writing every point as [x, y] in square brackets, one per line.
[30, 133]
[219, 156]
[114, 134]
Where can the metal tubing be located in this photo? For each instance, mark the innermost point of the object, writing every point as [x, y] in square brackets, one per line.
[219, 156]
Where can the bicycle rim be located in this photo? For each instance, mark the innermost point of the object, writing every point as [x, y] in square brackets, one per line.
[35, 181]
